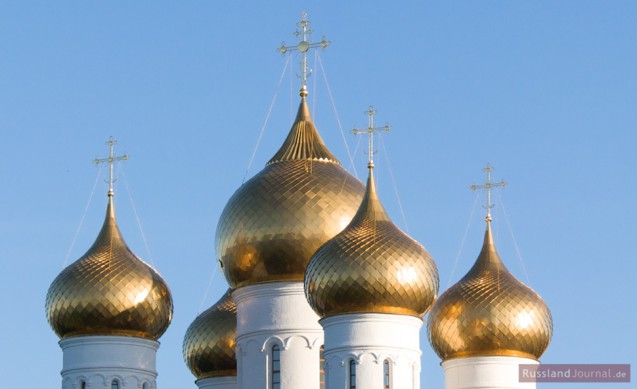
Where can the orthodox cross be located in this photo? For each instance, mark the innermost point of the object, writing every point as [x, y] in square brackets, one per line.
[111, 161]
[488, 185]
[303, 32]
[370, 130]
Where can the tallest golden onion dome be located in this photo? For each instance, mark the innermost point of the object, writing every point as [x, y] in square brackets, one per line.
[275, 221]
[109, 290]
[490, 313]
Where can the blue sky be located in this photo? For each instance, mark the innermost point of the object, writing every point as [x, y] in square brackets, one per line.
[546, 91]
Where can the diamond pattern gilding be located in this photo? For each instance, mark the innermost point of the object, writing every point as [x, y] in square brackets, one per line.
[489, 312]
[274, 222]
[371, 266]
[209, 342]
[109, 291]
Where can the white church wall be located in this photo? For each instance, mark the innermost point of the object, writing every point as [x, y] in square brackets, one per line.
[277, 314]
[369, 339]
[98, 360]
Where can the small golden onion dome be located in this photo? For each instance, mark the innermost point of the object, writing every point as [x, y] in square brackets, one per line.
[489, 312]
[274, 222]
[210, 340]
[109, 291]
[371, 266]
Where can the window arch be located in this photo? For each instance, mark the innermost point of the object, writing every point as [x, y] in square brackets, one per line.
[352, 374]
[386, 374]
[321, 368]
[115, 384]
[276, 367]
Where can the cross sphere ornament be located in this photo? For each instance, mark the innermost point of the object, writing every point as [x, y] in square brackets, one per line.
[303, 32]
[488, 185]
[370, 130]
[111, 161]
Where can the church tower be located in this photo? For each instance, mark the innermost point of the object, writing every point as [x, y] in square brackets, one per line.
[489, 323]
[371, 284]
[266, 235]
[109, 308]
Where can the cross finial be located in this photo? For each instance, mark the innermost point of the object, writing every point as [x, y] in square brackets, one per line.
[111, 161]
[303, 32]
[370, 131]
[488, 185]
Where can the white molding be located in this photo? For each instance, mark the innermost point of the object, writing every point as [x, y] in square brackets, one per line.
[227, 382]
[495, 372]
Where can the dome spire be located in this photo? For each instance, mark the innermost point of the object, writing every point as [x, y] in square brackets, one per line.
[303, 141]
[371, 206]
[303, 32]
[488, 256]
[488, 185]
[370, 130]
[111, 161]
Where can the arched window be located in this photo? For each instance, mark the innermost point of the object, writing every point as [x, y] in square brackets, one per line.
[386, 375]
[352, 374]
[115, 384]
[82, 384]
[276, 367]
[145, 386]
[322, 368]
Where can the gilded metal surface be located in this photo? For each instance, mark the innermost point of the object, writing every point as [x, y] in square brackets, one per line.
[109, 291]
[210, 340]
[303, 142]
[371, 266]
[273, 223]
[490, 312]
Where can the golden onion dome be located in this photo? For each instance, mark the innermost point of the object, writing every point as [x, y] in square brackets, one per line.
[109, 291]
[210, 340]
[274, 222]
[371, 266]
[489, 312]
